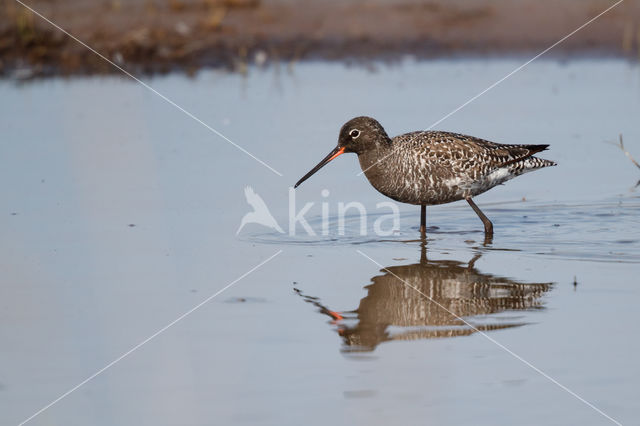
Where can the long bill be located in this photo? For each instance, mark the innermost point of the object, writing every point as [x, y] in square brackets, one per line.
[333, 154]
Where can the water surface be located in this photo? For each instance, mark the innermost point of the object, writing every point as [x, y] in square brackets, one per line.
[120, 215]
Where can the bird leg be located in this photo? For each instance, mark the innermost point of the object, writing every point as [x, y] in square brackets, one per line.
[423, 219]
[488, 226]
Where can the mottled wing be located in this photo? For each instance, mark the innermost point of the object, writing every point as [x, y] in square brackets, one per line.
[461, 152]
[505, 155]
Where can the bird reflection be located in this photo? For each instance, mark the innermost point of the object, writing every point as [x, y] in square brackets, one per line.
[444, 293]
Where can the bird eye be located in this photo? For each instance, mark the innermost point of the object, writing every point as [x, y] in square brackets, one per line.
[354, 133]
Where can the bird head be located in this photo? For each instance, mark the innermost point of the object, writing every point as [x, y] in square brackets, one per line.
[357, 135]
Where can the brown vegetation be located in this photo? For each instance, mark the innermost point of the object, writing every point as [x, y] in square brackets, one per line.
[160, 35]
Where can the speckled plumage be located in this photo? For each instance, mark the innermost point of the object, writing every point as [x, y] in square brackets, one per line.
[432, 167]
[429, 167]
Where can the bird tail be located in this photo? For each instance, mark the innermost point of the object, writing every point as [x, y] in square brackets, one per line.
[530, 164]
[527, 151]
[538, 163]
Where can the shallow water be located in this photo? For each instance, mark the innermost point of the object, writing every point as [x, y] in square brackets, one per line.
[120, 215]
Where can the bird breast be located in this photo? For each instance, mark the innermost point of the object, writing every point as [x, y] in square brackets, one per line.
[413, 178]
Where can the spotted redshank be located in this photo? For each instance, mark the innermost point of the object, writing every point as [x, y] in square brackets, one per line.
[431, 167]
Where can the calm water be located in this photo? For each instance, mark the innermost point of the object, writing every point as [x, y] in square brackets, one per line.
[120, 214]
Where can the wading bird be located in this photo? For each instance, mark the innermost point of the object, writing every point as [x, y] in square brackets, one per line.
[431, 167]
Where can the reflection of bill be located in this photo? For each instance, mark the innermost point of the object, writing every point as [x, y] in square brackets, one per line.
[394, 311]
[260, 214]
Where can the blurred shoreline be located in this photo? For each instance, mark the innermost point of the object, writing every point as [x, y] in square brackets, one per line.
[157, 36]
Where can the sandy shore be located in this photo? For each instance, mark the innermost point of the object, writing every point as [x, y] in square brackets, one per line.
[162, 35]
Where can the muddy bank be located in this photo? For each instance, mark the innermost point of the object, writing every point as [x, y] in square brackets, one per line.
[161, 35]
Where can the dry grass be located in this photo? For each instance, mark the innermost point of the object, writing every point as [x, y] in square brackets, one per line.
[622, 148]
[629, 156]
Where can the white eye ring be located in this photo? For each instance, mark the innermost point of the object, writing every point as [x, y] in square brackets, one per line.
[354, 133]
